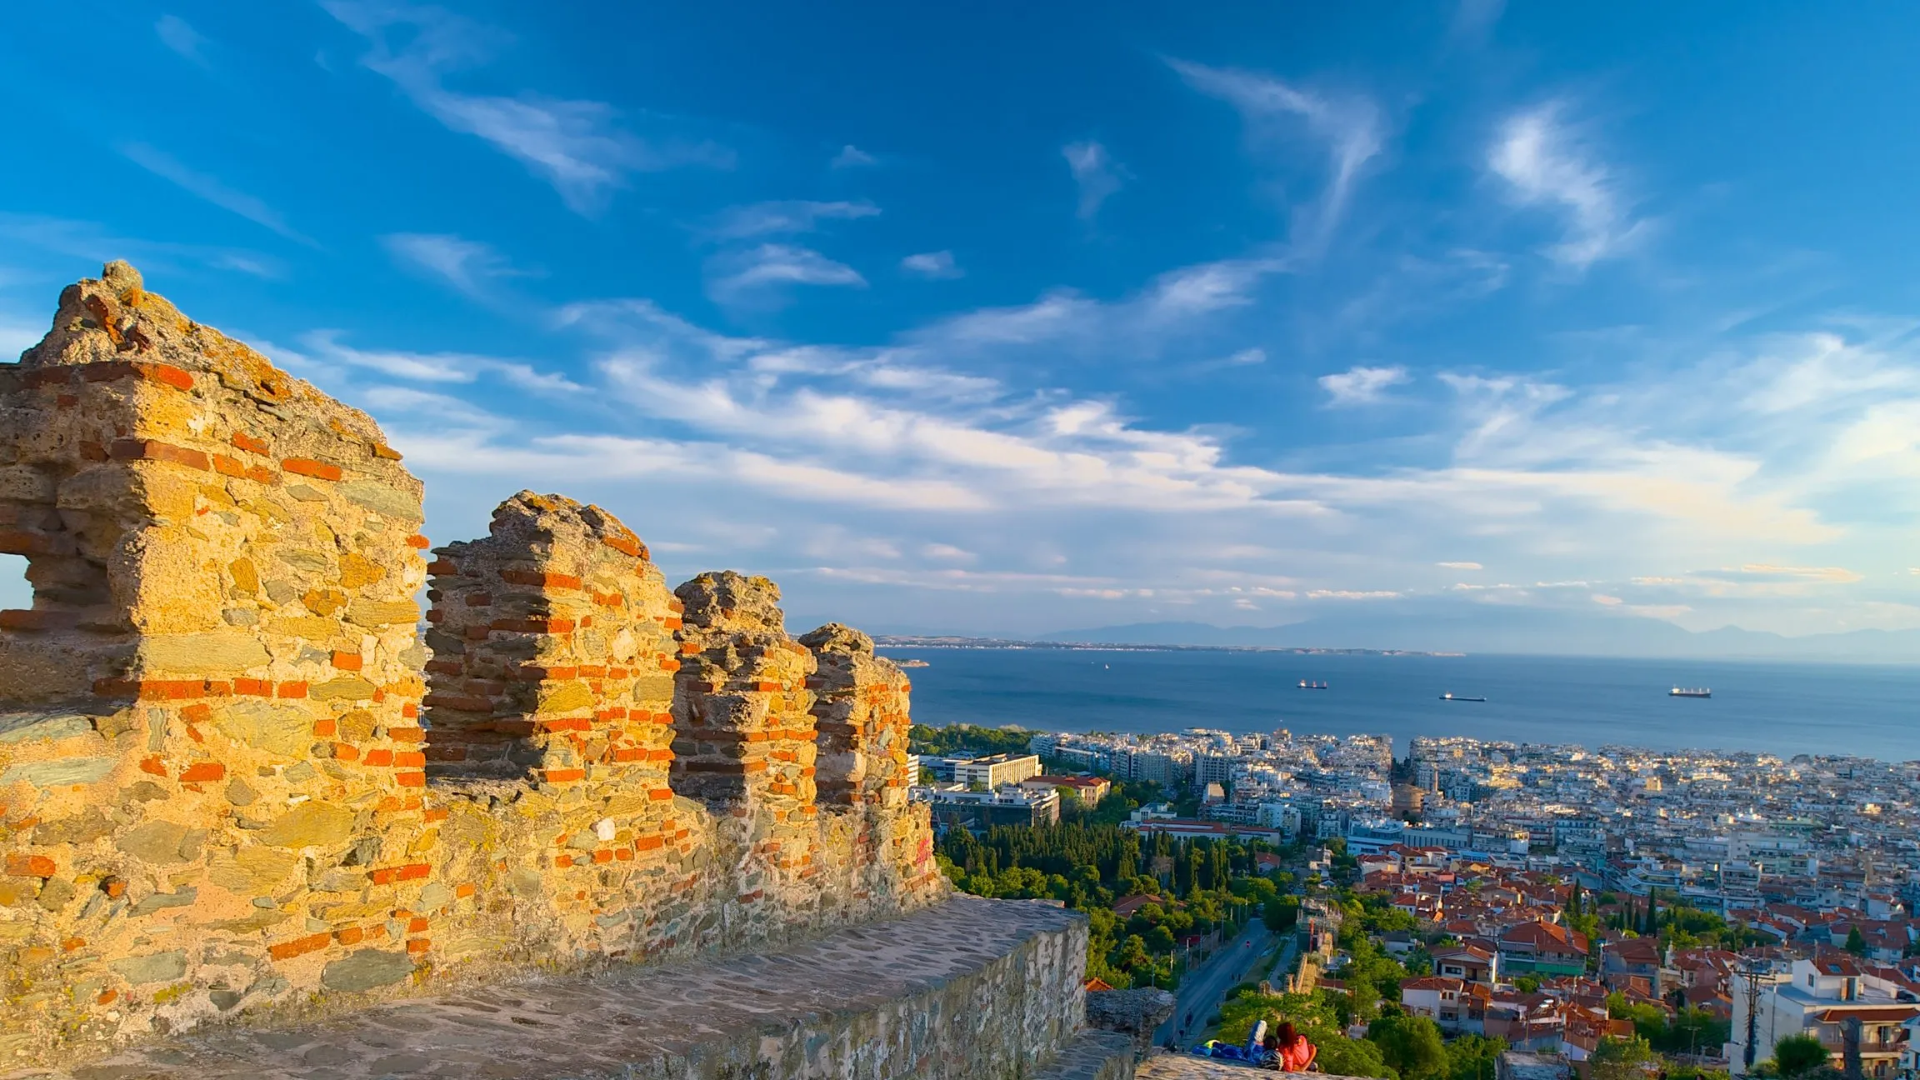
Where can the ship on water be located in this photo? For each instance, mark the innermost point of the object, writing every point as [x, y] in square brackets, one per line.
[1679, 691]
[1309, 685]
[1451, 696]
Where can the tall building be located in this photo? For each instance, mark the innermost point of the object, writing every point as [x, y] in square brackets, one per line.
[1212, 769]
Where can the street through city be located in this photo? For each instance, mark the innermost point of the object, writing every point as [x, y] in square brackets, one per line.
[1200, 995]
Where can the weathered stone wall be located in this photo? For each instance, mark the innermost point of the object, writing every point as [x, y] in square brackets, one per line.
[972, 989]
[216, 792]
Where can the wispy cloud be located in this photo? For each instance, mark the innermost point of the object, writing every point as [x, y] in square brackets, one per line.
[469, 266]
[1473, 20]
[1553, 473]
[1349, 127]
[177, 34]
[852, 157]
[787, 216]
[760, 276]
[323, 347]
[94, 242]
[1170, 308]
[1361, 385]
[934, 265]
[576, 146]
[1096, 174]
[1546, 163]
[211, 189]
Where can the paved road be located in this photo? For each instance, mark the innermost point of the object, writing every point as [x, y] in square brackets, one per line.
[1205, 987]
[1283, 964]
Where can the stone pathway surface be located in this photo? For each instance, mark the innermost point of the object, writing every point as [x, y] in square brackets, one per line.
[1188, 1067]
[688, 1020]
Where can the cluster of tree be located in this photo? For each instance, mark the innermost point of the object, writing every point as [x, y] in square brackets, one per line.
[1374, 913]
[1674, 922]
[1686, 1031]
[923, 739]
[1370, 975]
[1202, 885]
[1396, 1047]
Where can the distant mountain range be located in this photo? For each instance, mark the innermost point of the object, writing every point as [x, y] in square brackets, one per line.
[1515, 630]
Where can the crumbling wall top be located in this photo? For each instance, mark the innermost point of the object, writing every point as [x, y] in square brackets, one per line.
[732, 601]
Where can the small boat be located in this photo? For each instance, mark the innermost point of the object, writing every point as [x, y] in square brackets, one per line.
[1306, 685]
[1457, 697]
[1697, 692]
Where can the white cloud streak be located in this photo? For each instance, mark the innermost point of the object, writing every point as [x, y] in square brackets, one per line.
[177, 34]
[932, 265]
[469, 266]
[1349, 127]
[788, 216]
[1546, 163]
[852, 157]
[576, 146]
[324, 347]
[762, 275]
[1095, 173]
[1361, 385]
[212, 190]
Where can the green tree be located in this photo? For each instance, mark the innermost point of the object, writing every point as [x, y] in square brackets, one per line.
[1473, 1057]
[1281, 913]
[1620, 1059]
[1132, 953]
[1799, 1054]
[1856, 943]
[1411, 1045]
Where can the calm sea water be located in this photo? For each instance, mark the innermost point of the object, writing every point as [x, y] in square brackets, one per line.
[1786, 709]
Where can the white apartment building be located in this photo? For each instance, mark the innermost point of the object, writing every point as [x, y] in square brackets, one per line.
[996, 770]
[1818, 997]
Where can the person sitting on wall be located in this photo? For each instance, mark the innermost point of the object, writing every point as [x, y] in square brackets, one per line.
[1292, 1050]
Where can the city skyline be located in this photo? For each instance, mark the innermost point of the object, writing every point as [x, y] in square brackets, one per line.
[1018, 322]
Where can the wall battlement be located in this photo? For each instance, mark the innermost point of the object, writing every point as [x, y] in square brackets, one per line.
[235, 779]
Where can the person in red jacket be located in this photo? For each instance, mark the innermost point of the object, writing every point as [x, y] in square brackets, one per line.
[1294, 1052]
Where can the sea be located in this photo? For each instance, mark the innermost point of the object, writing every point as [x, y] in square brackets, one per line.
[1771, 707]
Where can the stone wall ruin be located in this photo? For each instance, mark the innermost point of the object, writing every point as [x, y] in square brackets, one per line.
[218, 792]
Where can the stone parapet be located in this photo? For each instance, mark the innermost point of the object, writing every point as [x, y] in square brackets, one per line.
[1133, 1013]
[218, 798]
[1188, 1067]
[969, 990]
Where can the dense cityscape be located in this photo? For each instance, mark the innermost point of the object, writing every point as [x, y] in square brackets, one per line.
[1472, 906]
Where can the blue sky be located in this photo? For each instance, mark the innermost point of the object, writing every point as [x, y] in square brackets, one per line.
[1013, 317]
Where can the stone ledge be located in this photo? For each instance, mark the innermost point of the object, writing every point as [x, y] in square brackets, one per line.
[1188, 1067]
[967, 990]
[1095, 1055]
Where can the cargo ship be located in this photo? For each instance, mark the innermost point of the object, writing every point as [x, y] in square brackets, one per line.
[1450, 696]
[1698, 692]
[1306, 685]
